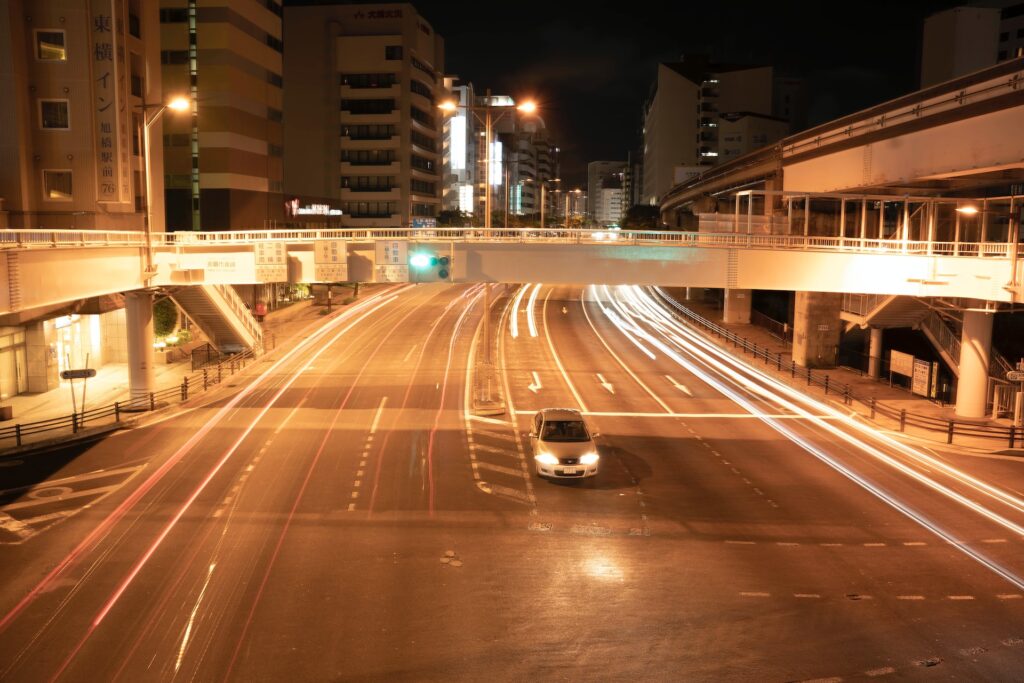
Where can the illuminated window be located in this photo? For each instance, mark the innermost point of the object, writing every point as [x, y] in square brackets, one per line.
[50, 46]
[53, 114]
[57, 185]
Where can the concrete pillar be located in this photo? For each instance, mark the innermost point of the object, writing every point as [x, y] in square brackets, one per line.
[875, 353]
[42, 371]
[975, 353]
[737, 306]
[816, 329]
[138, 310]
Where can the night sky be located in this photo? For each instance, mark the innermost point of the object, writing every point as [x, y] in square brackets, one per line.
[591, 67]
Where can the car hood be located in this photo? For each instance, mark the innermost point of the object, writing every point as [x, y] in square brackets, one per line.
[568, 449]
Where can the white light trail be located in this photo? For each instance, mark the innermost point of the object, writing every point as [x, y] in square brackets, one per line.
[529, 310]
[514, 320]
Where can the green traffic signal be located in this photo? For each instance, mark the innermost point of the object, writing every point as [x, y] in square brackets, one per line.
[422, 260]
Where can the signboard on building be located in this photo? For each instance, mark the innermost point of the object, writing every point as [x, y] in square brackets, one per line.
[901, 363]
[271, 261]
[921, 379]
[331, 260]
[392, 261]
[109, 98]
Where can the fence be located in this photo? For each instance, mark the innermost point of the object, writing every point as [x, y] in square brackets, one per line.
[950, 428]
[197, 382]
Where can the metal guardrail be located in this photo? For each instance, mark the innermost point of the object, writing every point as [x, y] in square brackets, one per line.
[726, 240]
[1012, 436]
[20, 434]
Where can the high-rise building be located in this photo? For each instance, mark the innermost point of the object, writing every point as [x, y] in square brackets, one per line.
[958, 41]
[459, 151]
[597, 173]
[608, 207]
[683, 116]
[1011, 32]
[744, 131]
[75, 77]
[363, 128]
[223, 164]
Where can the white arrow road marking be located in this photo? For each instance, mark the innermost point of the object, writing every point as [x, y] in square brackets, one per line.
[536, 386]
[605, 383]
[680, 387]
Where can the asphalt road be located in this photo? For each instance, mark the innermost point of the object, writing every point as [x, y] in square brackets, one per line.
[343, 517]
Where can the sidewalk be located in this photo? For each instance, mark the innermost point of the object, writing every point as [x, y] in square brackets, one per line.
[111, 382]
[892, 400]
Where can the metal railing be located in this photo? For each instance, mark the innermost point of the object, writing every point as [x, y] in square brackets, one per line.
[113, 414]
[241, 312]
[726, 240]
[1012, 436]
[862, 304]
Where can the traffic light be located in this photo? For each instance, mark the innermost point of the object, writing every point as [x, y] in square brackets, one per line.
[426, 265]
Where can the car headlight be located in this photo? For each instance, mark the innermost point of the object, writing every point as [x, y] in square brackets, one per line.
[546, 459]
[589, 459]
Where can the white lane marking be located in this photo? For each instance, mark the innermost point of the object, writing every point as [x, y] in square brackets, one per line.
[10, 524]
[558, 361]
[755, 594]
[740, 542]
[192, 618]
[98, 474]
[605, 383]
[882, 671]
[514, 318]
[376, 419]
[536, 385]
[874, 545]
[409, 355]
[910, 597]
[618, 360]
[489, 420]
[351, 507]
[994, 540]
[529, 310]
[681, 387]
[63, 497]
[726, 416]
[806, 595]
[914, 543]
[1010, 596]
[960, 597]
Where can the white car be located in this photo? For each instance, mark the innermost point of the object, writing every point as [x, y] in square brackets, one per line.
[563, 447]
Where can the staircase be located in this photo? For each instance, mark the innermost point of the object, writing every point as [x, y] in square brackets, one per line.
[905, 311]
[222, 316]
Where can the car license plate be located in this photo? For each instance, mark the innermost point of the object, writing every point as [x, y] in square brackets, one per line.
[569, 470]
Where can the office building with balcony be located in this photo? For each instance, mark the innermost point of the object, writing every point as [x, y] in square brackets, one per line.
[224, 162]
[75, 76]
[683, 115]
[363, 128]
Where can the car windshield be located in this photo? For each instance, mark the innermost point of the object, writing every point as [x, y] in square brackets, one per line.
[564, 430]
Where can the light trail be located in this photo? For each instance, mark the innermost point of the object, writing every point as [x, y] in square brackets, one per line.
[101, 529]
[514, 319]
[657, 316]
[529, 310]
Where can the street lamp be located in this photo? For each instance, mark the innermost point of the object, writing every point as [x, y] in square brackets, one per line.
[526, 107]
[543, 186]
[568, 193]
[177, 104]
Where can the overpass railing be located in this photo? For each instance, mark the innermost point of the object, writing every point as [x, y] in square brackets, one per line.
[10, 239]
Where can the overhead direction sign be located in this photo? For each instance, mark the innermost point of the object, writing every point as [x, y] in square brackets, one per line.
[1015, 376]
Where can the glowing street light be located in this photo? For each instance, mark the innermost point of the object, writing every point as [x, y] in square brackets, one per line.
[967, 210]
[526, 107]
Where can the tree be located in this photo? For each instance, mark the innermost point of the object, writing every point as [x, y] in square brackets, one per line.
[642, 217]
[165, 317]
[453, 218]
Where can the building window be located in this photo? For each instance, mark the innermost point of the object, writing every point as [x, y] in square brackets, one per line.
[275, 44]
[53, 114]
[369, 209]
[50, 46]
[423, 187]
[368, 106]
[1003, 37]
[174, 56]
[174, 15]
[393, 52]
[370, 131]
[275, 8]
[421, 116]
[368, 157]
[422, 163]
[57, 185]
[372, 183]
[368, 80]
[422, 89]
[134, 25]
[275, 79]
[275, 115]
[424, 68]
[422, 210]
[424, 141]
